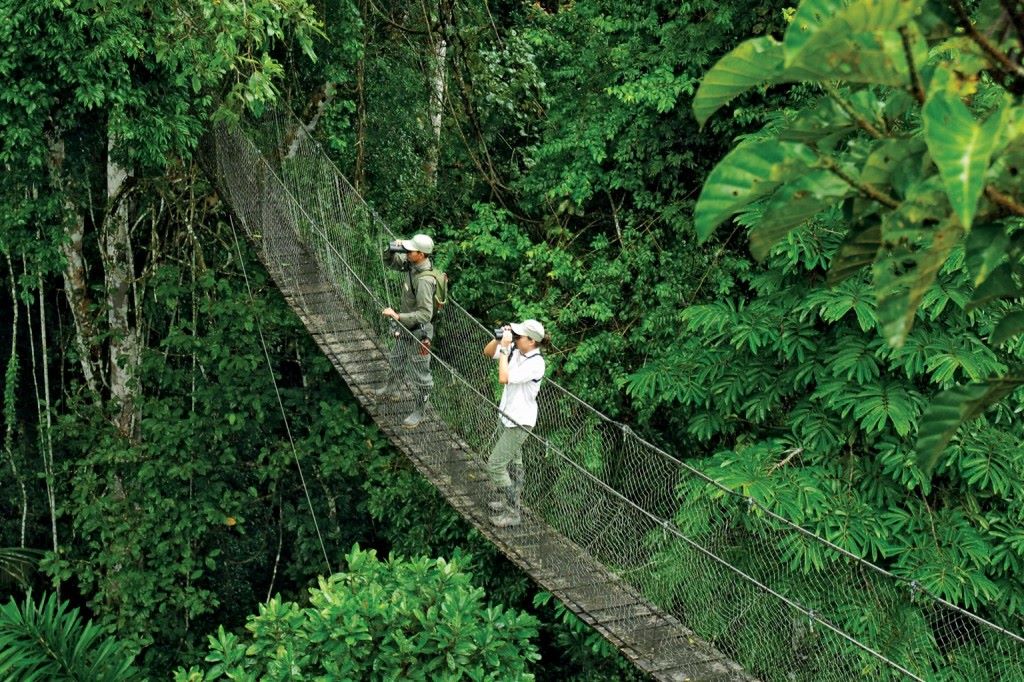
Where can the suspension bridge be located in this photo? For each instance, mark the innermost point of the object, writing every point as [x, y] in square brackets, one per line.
[688, 579]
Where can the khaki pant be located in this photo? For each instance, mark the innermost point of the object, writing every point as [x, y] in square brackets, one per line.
[409, 362]
[508, 450]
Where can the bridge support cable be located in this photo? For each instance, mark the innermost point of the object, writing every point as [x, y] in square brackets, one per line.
[687, 578]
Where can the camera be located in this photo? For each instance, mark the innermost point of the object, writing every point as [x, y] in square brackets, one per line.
[397, 247]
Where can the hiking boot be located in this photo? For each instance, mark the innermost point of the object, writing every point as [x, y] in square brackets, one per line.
[418, 414]
[506, 520]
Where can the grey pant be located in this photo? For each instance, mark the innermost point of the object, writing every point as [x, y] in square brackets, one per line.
[409, 362]
[507, 451]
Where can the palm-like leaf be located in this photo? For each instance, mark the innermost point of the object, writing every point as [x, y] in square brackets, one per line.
[46, 641]
[16, 563]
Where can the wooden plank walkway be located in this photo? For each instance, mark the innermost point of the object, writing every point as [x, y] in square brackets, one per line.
[655, 642]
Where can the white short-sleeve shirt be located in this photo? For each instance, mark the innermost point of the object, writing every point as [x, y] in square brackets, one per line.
[519, 396]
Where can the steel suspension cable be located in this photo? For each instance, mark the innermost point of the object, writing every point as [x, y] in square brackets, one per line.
[280, 401]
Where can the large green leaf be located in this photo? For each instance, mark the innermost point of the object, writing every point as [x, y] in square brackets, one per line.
[876, 58]
[961, 148]
[824, 22]
[859, 249]
[750, 171]
[1008, 327]
[985, 248]
[953, 407]
[752, 63]
[910, 259]
[1002, 282]
[794, 204]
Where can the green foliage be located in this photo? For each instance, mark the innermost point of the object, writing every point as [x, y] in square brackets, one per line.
[928, 160]
[416, 619]
[811, 417]
[16, 564]
[45, 640]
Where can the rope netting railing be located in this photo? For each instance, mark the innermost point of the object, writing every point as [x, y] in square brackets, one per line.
[782, 602]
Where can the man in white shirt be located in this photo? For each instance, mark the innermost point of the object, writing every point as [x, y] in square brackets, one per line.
[520, 371]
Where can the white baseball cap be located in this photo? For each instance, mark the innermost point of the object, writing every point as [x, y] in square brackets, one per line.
[419, 242]
[529, 328]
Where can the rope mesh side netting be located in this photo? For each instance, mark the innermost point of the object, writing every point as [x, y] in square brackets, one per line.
[776, 599]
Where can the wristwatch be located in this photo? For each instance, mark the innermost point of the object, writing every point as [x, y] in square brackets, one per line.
[502, 350]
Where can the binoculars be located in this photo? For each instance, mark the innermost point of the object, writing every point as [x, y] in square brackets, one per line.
[500, 332]
[397, 247]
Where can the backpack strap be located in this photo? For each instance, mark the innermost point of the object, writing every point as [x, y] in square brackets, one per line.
[441, 283]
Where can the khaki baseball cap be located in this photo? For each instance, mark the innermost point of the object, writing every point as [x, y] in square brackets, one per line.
[529, 328]
[419, 242]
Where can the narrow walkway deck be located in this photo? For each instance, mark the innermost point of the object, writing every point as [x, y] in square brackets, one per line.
[656, 642]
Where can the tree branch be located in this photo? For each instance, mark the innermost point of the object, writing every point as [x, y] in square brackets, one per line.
[1010, 67]
[870, 191]
[862, 122]
[1004, 201]
[1016, 16]
[915, 78]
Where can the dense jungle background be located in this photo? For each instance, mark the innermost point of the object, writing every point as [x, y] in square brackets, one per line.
[147, 477]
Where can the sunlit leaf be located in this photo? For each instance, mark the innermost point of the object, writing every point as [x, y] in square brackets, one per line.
[961, 148]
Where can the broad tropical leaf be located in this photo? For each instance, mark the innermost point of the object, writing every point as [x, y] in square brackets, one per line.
[752, 63]
[903, 274]
[985, 248]
[794, 204]
[748, 172]
[1002, 282]
[961, 148]
[858, 250]
[915, 244]
[876, 57]
[1008, 327]
[883, 161]
[953, 407]
[828, 21]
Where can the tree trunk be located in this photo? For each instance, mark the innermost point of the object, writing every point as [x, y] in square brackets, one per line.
[360, 169]
[438, 87]
[9, 410]
[76, 282]
[118, 271]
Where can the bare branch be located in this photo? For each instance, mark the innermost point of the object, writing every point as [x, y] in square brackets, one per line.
[1016, 17]
[857, 118]
[1004, 201]
[1011, 68]
[869, 191]
[915, 78]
